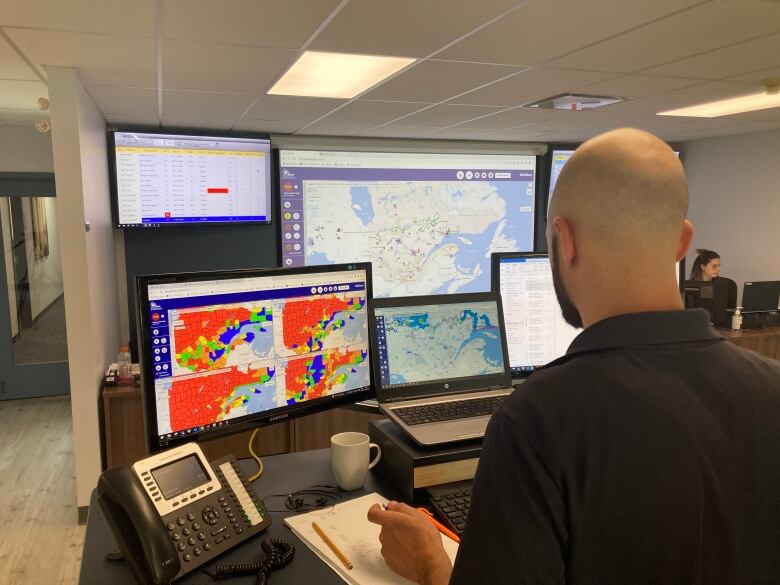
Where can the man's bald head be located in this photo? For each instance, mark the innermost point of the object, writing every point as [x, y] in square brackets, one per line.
[616, 226]
[626, 187]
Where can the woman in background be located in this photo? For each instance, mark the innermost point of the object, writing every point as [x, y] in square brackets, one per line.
[706, 266]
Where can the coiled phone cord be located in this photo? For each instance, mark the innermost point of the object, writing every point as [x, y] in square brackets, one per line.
[278, 554]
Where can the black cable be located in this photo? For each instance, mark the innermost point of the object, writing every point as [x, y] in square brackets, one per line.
[278, 554]
[311, 498]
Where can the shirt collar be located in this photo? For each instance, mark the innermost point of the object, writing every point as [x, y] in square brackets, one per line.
[645, 329]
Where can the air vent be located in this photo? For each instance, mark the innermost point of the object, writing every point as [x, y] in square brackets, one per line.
[575, 102]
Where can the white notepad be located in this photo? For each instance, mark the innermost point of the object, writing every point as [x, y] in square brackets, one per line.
[356, 537]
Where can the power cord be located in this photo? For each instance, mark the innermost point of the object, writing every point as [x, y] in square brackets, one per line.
[278, 554]
[311, 498]
[255, 456]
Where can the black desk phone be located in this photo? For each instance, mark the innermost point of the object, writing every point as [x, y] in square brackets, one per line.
[174, 511]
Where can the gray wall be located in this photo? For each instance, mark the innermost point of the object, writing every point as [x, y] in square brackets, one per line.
[25, 150]
[734, 184]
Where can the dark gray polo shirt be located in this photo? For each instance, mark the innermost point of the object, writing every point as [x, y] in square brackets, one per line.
[649, 453]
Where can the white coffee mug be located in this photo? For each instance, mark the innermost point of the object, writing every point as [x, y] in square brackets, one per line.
[349, 459]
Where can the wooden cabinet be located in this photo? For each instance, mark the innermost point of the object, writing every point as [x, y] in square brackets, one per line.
[123, 441]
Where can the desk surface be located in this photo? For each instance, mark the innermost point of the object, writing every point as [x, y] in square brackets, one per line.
[765, 341]
[283, 474]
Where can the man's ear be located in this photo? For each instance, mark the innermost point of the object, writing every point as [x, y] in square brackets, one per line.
[567, 247]
[686, 237]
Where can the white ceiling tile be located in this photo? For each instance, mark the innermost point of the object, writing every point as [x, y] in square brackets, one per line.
[22, 117]
[529, 86]
[199, 122]
[142, 77]
[129, 100]
[758, 76]
[21, 94]
[404, 28]
[265, 23]
[435, 81]
[135, 17]
[329, 129]
[274, 107]
[637, 86]
[270, 126]
[129, 119]
[446, 115]
[12, 66]
[730, 61]
[705, 92]
[400, 131]
[456, 133]
[212, 67]
[506, 119]
[203, 103]
[95, 51]
[372, 112]
[541, 30]
[702, 28]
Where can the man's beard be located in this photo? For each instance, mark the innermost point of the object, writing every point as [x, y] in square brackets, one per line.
[570, 313]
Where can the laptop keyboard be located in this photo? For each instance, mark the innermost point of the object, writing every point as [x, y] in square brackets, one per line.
[446, 411]
[450, 504]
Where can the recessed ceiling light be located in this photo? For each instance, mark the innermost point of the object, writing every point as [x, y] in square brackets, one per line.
[746, 103]
[574, 102]
[336, 75]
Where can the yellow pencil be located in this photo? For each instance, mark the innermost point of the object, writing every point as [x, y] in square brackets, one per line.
[332, 545]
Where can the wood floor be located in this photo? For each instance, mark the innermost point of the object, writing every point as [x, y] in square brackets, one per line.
[42, 541]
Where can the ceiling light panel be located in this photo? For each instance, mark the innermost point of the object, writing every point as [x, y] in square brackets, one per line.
[336, 75]
[737, 105]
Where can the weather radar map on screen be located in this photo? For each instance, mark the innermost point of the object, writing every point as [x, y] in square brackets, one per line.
[436, 342]
[225, 349]
[428, 222]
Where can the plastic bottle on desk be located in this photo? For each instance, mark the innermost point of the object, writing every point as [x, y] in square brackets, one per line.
[736, 319]
[123, 364]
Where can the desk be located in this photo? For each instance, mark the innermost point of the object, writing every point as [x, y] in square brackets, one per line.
[283, 474]
[764, 341]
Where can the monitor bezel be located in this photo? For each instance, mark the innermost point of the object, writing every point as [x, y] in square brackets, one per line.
[266, 418]
[436, 387]
[761, 287]
[199, 132]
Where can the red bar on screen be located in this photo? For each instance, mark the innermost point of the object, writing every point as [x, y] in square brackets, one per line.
[217, 190]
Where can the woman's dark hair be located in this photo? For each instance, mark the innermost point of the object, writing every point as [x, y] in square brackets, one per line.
[704, 258]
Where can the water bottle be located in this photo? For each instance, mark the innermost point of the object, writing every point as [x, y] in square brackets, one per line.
[123, 364]
[736, 320]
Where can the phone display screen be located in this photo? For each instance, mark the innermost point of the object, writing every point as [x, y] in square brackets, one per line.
[180, 476]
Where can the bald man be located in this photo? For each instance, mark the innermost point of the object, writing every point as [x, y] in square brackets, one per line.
[650, 452]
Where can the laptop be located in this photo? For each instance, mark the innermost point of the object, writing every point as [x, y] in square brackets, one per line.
[440, 363]
[536, 331]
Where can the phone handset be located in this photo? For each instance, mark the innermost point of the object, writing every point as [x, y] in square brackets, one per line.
[174, 511]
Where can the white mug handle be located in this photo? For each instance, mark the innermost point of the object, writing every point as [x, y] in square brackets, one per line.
[378, 454]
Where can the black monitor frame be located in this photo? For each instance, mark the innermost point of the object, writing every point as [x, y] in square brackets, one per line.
[113, 189]
[712, 295]
[436, 387]
[261, 419]
[760, 297]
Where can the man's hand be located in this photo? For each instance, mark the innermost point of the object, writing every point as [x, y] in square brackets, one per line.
[411, 545]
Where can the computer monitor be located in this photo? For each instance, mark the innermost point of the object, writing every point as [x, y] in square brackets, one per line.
[535, 329]
[222, 352]
[761, 297]
[427, 220]
[712, 295]
[559, 158]
[168, 178]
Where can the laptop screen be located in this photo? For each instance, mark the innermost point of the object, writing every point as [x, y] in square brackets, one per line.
[418, 344]
[535, 330]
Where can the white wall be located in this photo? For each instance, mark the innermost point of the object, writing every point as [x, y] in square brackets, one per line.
[88, 260]
[25, 150]
[734, 184]
[44, 275]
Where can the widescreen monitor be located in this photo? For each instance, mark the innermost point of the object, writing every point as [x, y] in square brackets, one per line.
[761, 297]
[165, 179]
[427, 221]
[225, 351]
[535, 329]
[712, 295]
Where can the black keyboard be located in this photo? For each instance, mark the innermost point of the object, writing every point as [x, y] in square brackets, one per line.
[450, 504]
[453, 410]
